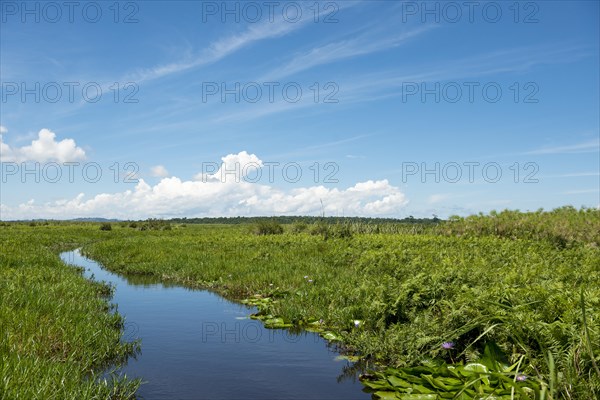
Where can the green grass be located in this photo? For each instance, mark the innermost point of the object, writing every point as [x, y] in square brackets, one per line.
[58, 333]
[509, 278]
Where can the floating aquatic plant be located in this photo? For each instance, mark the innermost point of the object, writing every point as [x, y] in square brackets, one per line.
[487, 378]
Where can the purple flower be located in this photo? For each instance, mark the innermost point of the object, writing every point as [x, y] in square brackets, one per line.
[356, 323]
[521, 377]
[448, 345]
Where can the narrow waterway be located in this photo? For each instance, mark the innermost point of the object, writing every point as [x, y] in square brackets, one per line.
[197, 345]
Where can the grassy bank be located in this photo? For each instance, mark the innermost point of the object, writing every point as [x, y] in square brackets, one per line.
[515, 279]
[401, 295]
[57, 330]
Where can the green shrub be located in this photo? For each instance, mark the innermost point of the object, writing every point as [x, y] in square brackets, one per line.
[320, 229]
[267, 228]
[327, 231]
[341, 231]
[299, 227]
[106, 227]
[153, 224]
[563, 227]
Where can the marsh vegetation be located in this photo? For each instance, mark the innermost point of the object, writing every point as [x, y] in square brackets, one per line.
[511, 298]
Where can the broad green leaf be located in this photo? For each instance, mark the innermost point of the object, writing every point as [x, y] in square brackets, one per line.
[436, 383]
[385, 395]
[377, 385]
[418, 397]
[493, 357]
[398, 382]
[422, 389]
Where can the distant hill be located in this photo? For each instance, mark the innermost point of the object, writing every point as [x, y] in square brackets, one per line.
[91, 219]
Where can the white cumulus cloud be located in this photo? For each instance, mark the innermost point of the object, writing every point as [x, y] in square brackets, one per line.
[233, 168]
[44, 148]
[214, 196]
[159, 171]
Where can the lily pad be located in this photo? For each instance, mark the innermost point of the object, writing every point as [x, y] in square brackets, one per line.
[276, 323]
[328, 335]
[346, 357]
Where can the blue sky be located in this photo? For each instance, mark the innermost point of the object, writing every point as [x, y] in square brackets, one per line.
[403, 88]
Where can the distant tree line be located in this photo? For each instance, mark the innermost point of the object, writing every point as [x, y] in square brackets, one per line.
[152, 223]
[305, 219]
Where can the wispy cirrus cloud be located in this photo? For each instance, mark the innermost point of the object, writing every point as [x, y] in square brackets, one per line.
[229, 44]
[320, 147]
[590, 146]
[386, 84]
[344, 49]
[216, 50]
[390, 84]
[582, 191]
[572, 175]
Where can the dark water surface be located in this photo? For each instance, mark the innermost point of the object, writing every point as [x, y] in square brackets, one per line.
[197, 345]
